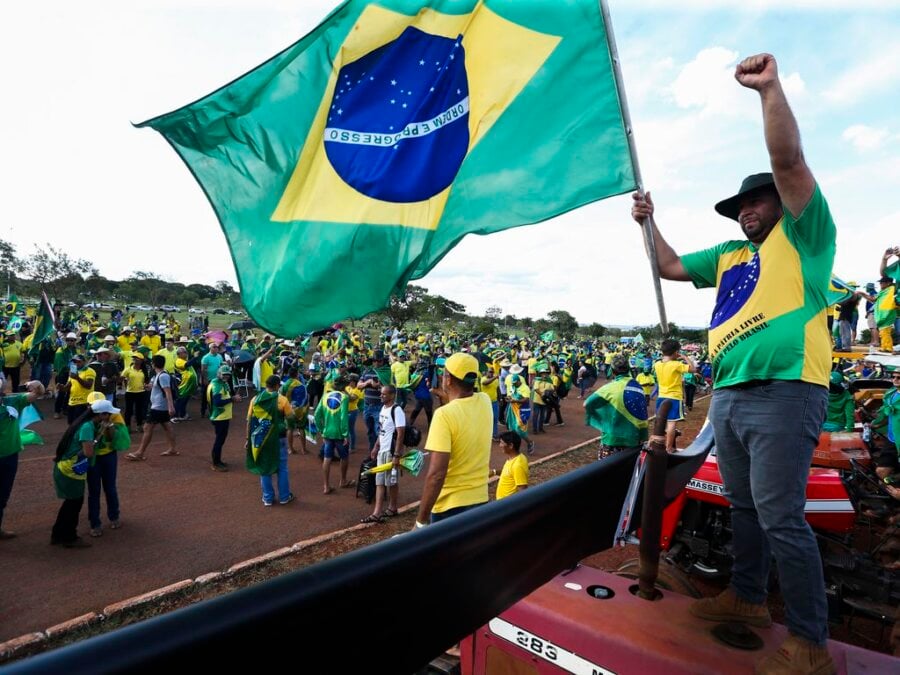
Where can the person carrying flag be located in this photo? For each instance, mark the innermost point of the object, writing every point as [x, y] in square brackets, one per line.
[267, 452]
[771, 356]
[332, 421]
[618, 410]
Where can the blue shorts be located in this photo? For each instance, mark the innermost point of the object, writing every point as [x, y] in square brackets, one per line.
[334, 448]
[675, 412]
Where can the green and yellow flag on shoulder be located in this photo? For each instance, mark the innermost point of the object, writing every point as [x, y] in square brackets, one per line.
[392, 130]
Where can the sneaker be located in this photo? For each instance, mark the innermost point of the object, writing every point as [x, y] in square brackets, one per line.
[174, 420]
[796, 655]
[265, 503]
[530, 447]
[78, 542]
[115, 524]
[220, 467]
[727, 606]
[96, 531]
[288, 499]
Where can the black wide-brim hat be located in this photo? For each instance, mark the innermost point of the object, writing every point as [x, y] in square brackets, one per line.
[731, 207]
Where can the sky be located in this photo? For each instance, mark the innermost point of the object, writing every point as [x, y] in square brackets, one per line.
[79, 176]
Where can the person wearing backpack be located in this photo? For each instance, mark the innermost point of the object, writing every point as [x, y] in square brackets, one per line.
[162, 409]
[388, 448]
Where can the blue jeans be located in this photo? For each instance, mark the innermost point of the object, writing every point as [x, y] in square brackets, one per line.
[846, 343]
[103, 474]
[370, 417]
[495, 407]
[181, 406]
[42, 372]
[284, 485]
[765, 436]
[9, 466]
[351, 423]
[537, 417]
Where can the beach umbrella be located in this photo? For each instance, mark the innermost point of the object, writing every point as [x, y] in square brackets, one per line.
[217, 336]
[242, 356]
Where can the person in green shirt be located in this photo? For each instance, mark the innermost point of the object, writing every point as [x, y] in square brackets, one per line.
[11, 442]
[839, 416]
[771, 358]
[220, 396]
[333, 422]
[61, 360]
[73, 455]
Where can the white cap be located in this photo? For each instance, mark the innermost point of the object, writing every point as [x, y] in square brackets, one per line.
[102, 350]
[71, 336]
[104, 406]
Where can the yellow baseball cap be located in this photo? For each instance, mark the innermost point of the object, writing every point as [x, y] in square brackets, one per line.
[463, 367]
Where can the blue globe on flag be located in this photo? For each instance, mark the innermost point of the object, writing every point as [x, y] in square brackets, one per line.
[635, 401]
[735, 288]
[398, 124]
[333, 401]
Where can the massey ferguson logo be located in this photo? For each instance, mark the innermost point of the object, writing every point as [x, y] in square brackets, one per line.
[705, 486]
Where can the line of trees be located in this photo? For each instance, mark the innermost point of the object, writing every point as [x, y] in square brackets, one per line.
[68, 279]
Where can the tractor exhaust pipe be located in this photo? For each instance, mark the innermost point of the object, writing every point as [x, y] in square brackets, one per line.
[652, 506]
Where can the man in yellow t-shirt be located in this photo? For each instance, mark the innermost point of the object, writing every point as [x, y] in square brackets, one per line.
[152, 341]
[12, 358]
[514, 474]
[80, 383]
[670, 378]
[459, 440]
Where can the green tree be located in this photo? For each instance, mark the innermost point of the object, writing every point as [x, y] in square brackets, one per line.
[59, 273]
[10, 265]
[562, 322]
[493, 312]
[596, 330]
[406, 306]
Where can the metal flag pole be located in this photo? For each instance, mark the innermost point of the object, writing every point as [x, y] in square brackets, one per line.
[646, 226]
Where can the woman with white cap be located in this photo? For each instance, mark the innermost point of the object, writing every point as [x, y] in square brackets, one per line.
[73, 454]
[103, 467]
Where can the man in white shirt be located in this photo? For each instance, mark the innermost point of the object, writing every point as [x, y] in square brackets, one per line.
[388, 448]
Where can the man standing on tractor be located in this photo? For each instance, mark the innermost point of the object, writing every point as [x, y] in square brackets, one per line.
[771, 356]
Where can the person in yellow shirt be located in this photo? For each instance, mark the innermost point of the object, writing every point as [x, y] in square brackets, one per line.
[400, 377]
[490, 385]
[514, 474]
[135, 376]
[355, 395]
[80, 384]
[459, 440]
[670, 377]
[12, 359]
[125, 339]
[647, 382]
[152, 341]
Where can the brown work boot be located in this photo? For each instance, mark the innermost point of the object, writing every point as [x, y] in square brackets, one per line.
[727, 606]
[797, 656]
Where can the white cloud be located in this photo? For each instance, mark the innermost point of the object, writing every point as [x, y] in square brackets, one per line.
[864, 137]
[878, 74]
[707, 82]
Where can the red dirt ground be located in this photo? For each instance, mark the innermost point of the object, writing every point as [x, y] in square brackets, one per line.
[181, 520]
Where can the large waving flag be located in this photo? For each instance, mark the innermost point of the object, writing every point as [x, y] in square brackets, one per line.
[390, 132]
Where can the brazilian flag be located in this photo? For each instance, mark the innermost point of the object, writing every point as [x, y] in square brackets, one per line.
[391, 131]
[619, 411]
[839, 291]
[44, 325]
[12, 304]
